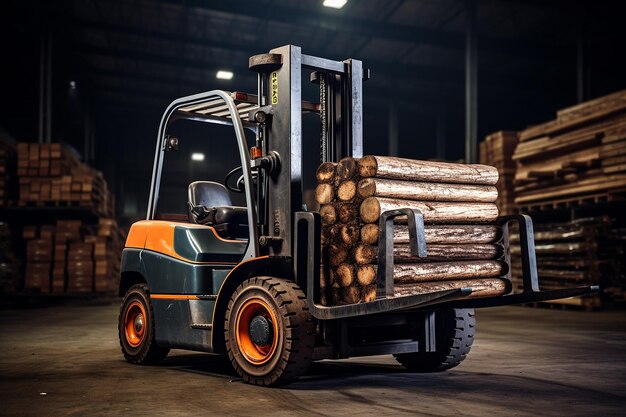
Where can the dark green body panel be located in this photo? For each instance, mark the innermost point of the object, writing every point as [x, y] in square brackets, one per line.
[166, 275]
[202, 245]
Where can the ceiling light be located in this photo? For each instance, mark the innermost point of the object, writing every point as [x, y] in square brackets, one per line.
[224, 75]
[197, 156]
[335, 4]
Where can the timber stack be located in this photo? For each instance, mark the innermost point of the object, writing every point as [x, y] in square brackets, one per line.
[457, 202]
[586, 251]
[497, 150]
[50, 175]
[579, 157]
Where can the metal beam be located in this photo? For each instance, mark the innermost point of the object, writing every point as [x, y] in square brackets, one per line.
[326, 20]
[385, 68]
[471, 84]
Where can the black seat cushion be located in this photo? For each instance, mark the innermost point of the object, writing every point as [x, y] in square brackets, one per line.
[209, 203]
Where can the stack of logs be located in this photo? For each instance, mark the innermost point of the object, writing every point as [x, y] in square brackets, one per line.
[457, 202]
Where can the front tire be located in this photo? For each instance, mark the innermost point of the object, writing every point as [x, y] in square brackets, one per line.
[136, 328]
[455, 329]
[269, 332]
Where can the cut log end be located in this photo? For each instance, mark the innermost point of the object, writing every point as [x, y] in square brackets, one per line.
[346, 190]
[324, 193]
[346, 168]
[325, 172]
[328, 214]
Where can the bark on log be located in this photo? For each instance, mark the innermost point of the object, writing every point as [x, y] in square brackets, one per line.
[442, 271]
[481, 287]
[346, 168]
[350, 234]
[346, 190]
[414, 170]
[434, 253]
[337, 254]
[444, 234]
[428, 191]
[366, 275]
[345, 275]
[326, 172]
[434, 212]
[347, 213]
[324, 193]
[328, 214]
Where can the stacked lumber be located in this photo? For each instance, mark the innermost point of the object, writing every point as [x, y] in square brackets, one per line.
[51, 175]
[497, 151]
[579, 157]
[457, 202]
[38, 258]
[587, 251]
[9, 265]
[7, 171]
[71, 257]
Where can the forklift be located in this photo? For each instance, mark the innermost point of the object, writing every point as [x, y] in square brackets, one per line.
[245, 281]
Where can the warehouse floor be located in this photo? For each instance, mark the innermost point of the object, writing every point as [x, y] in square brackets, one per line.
[66, 361]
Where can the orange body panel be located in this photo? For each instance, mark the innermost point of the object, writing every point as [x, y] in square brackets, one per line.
[158, 236]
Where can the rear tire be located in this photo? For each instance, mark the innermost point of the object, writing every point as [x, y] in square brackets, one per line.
[269, 332]
[136, 328]
[455, 330]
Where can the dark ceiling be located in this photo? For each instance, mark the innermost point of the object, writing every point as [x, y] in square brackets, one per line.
[130, 58]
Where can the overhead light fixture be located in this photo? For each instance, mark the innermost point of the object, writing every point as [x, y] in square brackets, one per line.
[72, 84]
[224, 75]
[335, 4]
[197, 156]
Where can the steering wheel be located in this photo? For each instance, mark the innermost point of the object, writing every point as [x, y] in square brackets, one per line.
[239, 185]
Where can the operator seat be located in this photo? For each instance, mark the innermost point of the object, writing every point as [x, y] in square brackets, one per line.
[209, 203]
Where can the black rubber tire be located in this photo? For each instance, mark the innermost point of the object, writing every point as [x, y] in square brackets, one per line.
[148, 352]
[296, 331]
[455, 330]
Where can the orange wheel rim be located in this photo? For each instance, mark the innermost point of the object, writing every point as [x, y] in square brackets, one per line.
[135, 323]
[255, 353]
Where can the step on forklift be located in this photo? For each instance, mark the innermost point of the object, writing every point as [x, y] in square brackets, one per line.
[244, 281]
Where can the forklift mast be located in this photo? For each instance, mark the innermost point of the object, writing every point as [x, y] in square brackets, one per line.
[341, 134]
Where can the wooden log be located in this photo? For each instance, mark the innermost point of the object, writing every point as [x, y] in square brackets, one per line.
[337, 254]
[351, 295]
[335, 296]
[365, 254]
[413, 170]
[368, 293]
[328, 214]
[434, 212]
[428, 191]
[324, 193]
[346, 168]
[442, 271]
[345, 275]
[481, 287]
[348, 213]
[350, 234]
[366, 275]
[347, 190]
[444, 234]
[325, 173]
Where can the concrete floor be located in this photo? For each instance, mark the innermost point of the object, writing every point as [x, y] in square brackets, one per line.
[66, 361]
